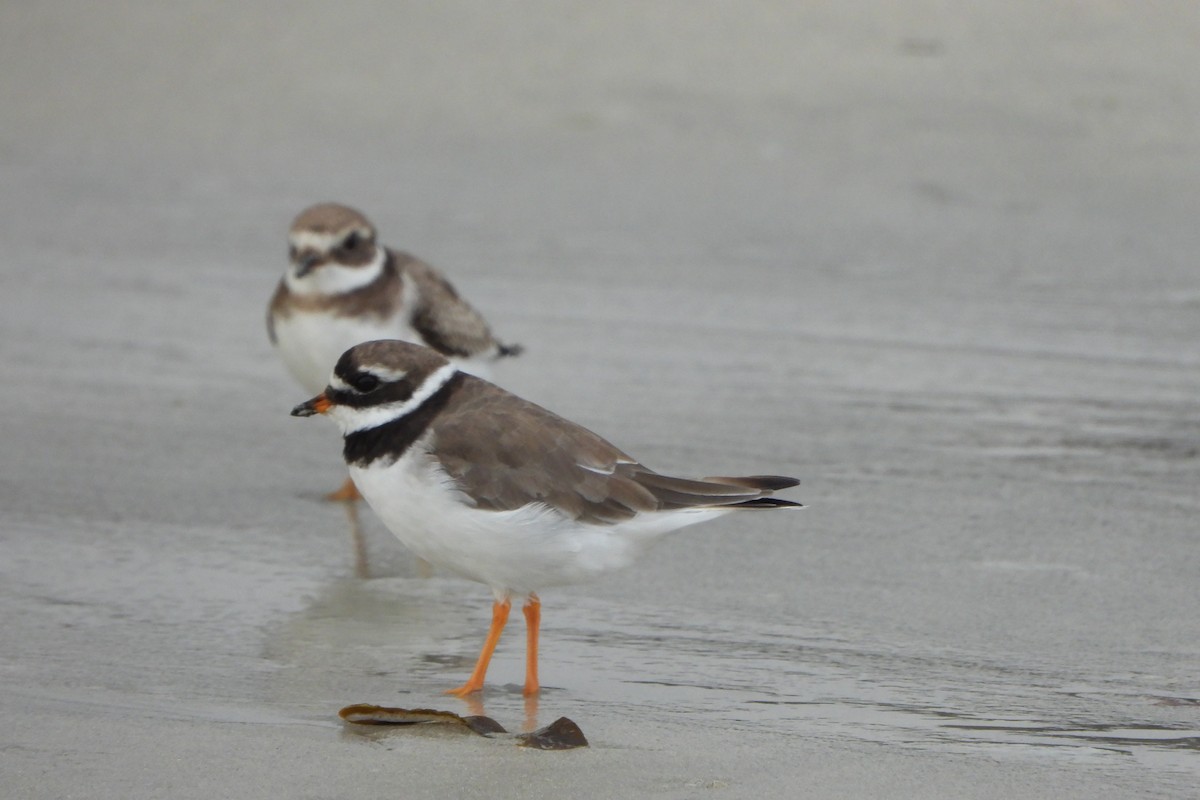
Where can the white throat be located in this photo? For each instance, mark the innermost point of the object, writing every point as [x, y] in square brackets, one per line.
[334, 278]
[352, 420]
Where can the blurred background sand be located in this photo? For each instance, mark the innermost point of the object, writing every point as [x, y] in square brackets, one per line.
[938, 261]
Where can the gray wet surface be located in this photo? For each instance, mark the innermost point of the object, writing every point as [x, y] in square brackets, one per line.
[940, 267]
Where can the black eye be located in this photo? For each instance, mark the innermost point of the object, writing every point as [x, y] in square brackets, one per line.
[351, 241]
[364, 382]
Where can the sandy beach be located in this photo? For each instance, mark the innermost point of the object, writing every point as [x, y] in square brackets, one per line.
[938, 262]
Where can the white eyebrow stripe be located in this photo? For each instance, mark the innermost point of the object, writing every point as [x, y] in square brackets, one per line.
[312, 240]
[324, 240]
[385, 374]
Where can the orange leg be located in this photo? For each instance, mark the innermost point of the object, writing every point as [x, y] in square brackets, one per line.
[533, 620]
[475, 682]
[346, 493]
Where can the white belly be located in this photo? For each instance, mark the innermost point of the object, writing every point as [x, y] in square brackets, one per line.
[513, 552]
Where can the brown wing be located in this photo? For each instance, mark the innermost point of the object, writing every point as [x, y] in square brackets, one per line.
[447, 323]
[506, 452]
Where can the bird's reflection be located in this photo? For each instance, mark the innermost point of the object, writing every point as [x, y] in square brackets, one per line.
[358, 542]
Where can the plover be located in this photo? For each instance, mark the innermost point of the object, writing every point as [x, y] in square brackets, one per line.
[342, 288]
[499, 490]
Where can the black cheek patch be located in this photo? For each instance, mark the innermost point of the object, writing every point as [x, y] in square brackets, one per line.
[396, 392]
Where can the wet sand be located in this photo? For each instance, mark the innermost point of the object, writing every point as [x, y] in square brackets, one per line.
[942, 268]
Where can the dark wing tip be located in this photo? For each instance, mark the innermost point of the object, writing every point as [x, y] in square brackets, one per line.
[765, 483]
[750, 491]
[768, 502]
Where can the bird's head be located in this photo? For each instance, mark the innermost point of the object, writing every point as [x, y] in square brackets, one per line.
[332, 250]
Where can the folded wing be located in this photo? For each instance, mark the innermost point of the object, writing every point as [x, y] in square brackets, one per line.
[506, 452]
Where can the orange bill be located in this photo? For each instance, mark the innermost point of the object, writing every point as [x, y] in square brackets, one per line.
[318, 405]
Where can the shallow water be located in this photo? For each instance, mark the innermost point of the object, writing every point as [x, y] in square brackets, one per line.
[655, 668]
[212, 636]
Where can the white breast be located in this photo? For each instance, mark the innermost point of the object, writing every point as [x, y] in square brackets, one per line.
[311, 342]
